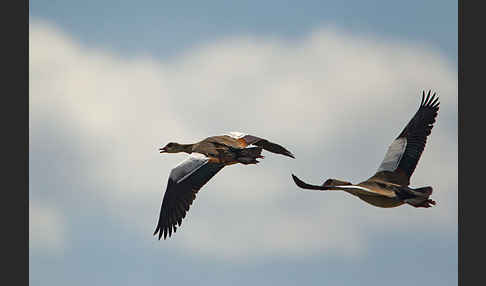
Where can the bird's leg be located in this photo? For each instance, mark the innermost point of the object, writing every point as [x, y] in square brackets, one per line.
[425, 204]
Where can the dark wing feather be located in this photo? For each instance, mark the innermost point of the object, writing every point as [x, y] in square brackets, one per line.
[179, 197]
[415, 134]
[267, 145]
[305, 185]
[330, 185]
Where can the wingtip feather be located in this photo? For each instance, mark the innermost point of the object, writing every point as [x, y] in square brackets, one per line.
[298, 181]
[432, 101]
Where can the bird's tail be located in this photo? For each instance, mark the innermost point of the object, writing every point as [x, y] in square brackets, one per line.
[422, 192]
[420, 197]
[249, 155]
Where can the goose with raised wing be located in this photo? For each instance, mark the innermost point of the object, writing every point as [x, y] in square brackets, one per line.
[389, 187]
[206, 158]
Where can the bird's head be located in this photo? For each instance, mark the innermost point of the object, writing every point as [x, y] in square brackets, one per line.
[171, 147]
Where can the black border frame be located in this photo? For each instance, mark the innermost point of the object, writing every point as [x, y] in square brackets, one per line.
[470, 143]
[15, 142]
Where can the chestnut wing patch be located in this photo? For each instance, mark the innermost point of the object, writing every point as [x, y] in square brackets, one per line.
[260, 142]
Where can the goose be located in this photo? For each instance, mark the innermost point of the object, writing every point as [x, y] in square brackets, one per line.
[206, 158]
[389, 186]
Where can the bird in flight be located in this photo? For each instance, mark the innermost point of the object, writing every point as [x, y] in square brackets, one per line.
[389, 187]
[206, 158]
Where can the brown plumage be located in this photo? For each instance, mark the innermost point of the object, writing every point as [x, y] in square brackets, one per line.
[207, 157]
[389, 187]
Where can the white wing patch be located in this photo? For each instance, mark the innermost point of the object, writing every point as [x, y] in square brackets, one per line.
[393, 155]
[236, 135]
[188, 166]
[366, 190]
[355, 187]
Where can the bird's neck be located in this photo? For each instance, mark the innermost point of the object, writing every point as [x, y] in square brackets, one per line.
[186, 148]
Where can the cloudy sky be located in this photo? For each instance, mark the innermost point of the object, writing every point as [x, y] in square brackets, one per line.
[333, 82]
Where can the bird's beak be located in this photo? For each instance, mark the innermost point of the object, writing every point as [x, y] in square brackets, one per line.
[162, 150]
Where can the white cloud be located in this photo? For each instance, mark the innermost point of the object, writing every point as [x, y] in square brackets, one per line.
[47, 230]
[336, 100]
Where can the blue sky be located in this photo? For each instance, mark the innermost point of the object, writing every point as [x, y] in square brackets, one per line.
[165, 28]
[333, 82]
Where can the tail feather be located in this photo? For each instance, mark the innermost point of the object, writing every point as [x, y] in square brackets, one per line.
[420, 197]
[249, 155]
[424, 191]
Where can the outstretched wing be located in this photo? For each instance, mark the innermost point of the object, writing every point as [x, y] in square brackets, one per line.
[185, 180]
[245, 140]
[405, 151]
[330, 186]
